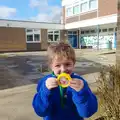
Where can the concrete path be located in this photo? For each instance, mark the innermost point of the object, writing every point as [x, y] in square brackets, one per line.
[16, 102]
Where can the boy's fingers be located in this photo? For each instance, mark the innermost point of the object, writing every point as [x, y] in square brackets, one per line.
[74, 86]
[53, 80]
[52, 86]
[55, 84]
[74, 82]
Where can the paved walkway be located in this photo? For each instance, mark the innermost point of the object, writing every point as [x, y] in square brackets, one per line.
[15, 103]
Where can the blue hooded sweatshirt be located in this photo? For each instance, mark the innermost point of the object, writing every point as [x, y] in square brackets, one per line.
[77, 105]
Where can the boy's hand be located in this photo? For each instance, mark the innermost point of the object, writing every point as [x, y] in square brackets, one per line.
[51, 83]
[76, 84]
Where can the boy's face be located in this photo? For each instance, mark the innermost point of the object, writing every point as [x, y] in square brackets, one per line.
[59, 66]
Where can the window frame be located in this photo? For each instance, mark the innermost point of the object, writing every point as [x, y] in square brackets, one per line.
[81, 7]
[79, 3]
[76, 4]
[53, 33]
[66, 12]
[96, 5]
[33, 33]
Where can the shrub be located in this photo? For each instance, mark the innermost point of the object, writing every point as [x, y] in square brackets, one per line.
[109, 92]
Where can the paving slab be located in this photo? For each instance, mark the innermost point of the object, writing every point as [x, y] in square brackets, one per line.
[16, 103]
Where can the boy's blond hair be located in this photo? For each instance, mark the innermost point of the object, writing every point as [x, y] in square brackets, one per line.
[61, 50]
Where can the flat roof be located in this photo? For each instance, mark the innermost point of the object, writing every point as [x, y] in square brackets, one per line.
[30, 24]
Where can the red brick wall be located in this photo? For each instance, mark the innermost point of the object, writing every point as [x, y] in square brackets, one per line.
[107, 7]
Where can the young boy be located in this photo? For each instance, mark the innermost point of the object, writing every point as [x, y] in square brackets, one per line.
[78, 101]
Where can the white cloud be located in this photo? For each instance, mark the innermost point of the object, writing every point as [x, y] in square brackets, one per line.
[46, 13]
[6, 12]
[34, 3]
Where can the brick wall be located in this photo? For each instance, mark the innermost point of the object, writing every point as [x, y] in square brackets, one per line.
[107, 7]
[33, 46]
[44, 37]
[63, 14]
[12, 39]
[63, 35]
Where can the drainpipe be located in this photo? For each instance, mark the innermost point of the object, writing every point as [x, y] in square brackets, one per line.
[97, 29]
[79, 38]
[97, 37]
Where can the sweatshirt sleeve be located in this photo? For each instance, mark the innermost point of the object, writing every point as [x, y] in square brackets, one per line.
[41, 102]
[85, 101]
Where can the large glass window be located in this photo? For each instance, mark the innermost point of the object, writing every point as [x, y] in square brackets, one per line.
[84, 7]
[29, 30]
[33, 35]
[56, 37]
[80, 7]
[29, 38]
[50, 37]
[76, 9]
[69, 11]
[36, 37]
[53, 35]
[93, 4]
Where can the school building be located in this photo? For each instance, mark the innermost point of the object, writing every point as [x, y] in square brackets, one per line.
[90, 23]
[84, 23]
[28, 35]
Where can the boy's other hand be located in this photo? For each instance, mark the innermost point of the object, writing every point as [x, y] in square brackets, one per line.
[76, 84]
[51, 83]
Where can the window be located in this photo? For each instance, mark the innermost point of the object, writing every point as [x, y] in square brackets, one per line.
[29, 38]
[36, 30]
[81, 6]
[69, 11]
[104, 30]
[50, 31]
[111, 29]
[92, 31]
[72, 32]
[50, 37]
[84, 7]
[36, 37]
[69, 32]
[56, 37]
[33, 35]
[53, 35]
[76, 9]
[56, 31]
[93, 4]
[82, 32]
[87, 31]
[29, 30]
